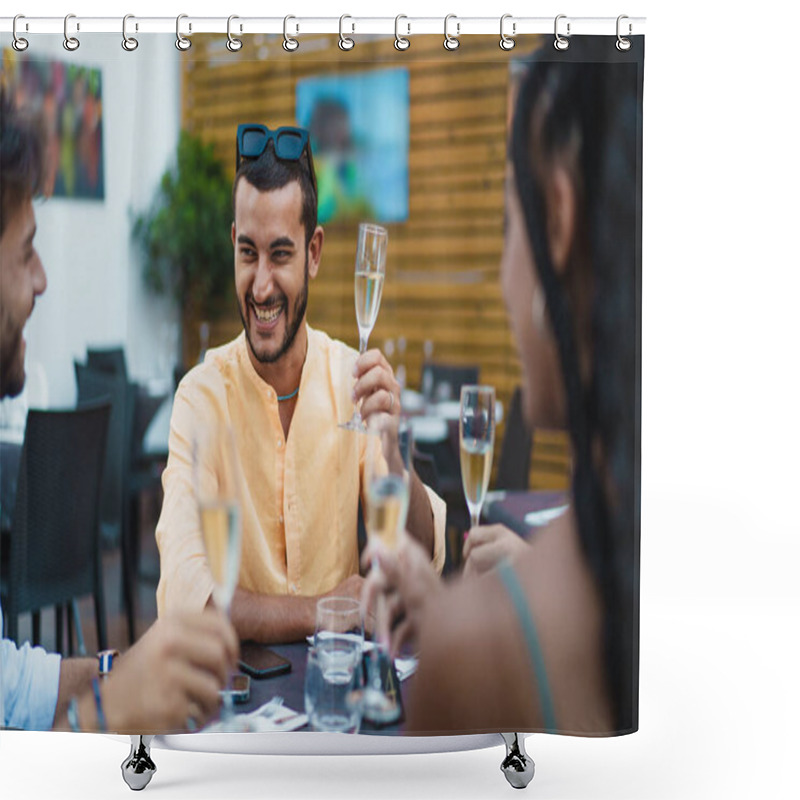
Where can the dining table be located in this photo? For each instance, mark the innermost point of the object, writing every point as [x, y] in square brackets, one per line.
[524, 511]
[290, 686]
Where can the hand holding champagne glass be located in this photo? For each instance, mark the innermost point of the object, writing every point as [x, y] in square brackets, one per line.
[217, 492]
[388, 475]
[370, 271]
[476, 436]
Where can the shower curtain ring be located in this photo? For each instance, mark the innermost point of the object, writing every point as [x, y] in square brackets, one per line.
[233, 44]
[623, 44]
[70, 42]
[181, 42]
[128, 42]
[506, 42]
[400, 42]
[345, 42]
[19, 44]
[560, 42]
[289, 44]
[451, 42]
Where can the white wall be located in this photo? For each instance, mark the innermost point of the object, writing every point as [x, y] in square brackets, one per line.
[95, 294]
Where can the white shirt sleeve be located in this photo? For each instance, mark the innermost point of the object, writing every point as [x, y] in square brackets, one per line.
[29, 679]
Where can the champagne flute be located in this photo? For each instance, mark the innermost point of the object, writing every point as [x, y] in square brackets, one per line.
[370, 271]
[388, 475]
[476, 438]
[215, 472]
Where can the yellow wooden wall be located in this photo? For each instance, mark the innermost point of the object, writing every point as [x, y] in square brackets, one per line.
[442, 275]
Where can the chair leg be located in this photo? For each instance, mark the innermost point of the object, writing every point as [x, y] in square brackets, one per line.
[36, 627]
[100, 611]
[12, 624]
[70, 632]
[60, 630]
[78, 628]
[127, 581]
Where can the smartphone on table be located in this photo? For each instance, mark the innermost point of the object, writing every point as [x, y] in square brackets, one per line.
[258, 661]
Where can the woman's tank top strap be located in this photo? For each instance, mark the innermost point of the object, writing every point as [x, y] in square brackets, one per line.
[520, 602]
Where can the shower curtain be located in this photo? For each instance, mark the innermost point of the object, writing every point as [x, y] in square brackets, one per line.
[500, 176]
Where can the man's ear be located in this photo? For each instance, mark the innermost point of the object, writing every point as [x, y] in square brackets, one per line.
[315, 251]
[233, 234]
[561, 211]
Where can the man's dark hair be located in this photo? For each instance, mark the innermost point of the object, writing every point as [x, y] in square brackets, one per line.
[268, 173]
[21, 159]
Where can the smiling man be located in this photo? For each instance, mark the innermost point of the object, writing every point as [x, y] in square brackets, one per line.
[283, 388]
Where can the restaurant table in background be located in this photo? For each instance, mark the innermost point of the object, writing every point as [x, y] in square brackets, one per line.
[523, 512]
[291, 687]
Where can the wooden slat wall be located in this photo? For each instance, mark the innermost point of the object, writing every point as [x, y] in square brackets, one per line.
[443, 263]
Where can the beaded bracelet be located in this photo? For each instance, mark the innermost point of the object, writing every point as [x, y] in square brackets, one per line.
[72, 715]
[98, 702]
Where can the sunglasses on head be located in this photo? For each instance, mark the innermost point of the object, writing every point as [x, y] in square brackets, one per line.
[289, 143]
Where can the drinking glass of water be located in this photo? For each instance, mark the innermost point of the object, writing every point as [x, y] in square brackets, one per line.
[333, 689]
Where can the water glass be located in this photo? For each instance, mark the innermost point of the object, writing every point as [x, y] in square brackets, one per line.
[333, 687]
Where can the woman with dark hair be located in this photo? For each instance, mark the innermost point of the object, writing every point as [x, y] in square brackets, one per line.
[548, 639]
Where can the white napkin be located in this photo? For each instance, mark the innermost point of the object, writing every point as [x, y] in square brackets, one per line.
[538, 518]
[272, 716]
[406, 667]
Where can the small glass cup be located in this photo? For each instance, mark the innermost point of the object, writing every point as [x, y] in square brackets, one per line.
[333, 690]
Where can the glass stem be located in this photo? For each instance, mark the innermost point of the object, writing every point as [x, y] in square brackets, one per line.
[226, 715]
[474, 518]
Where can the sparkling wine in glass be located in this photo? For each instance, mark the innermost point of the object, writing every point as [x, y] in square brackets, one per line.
[476, 437]
[388, 475]
[215, 472]
[370, 272]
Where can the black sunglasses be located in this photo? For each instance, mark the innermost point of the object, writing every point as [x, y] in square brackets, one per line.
[290, 144]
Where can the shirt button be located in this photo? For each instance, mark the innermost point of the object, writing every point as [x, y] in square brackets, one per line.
[294, 588]
[280, 518]
[279, 442]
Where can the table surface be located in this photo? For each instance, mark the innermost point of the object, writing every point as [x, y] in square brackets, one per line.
[290, 686]
[512, 508]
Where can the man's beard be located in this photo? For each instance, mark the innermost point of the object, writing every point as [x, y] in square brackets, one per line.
[292, 327]
[12, 370]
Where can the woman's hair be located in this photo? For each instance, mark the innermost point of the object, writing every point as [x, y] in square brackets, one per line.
[590, 110]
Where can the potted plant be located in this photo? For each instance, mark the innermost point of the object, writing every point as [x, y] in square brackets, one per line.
[185, 235]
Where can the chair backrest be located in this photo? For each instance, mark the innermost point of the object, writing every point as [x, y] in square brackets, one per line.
[107, 359]
[445, 380]
[54, 545]
[514, 462]
[425, 467]
[94, 385]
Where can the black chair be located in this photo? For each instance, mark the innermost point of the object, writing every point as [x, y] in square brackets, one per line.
[444, 381]
[114, 529]
[107, 359]
[425, 467]
[54, 547]
[514, 461]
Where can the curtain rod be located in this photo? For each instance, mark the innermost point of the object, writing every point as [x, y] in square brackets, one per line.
[406, 26]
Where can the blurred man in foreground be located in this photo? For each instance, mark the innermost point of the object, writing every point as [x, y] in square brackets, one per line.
[170, 679]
